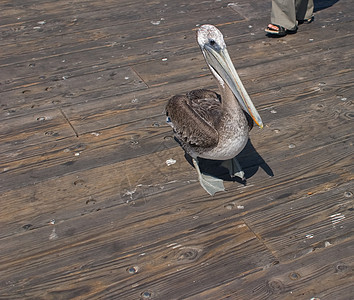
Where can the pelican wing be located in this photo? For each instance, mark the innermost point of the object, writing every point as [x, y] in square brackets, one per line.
[194, 117]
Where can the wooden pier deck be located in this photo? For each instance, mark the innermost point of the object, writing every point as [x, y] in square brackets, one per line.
[98, 200]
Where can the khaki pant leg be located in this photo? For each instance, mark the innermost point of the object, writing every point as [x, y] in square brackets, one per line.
[283, 13]
[304, 9]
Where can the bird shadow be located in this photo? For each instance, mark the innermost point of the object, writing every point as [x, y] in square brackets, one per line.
[249, 159]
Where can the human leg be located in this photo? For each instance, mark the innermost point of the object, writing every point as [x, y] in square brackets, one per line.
[283, 13]
[304, 10]
[283, 18]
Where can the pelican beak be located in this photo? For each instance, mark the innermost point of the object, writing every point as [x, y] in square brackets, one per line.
[220, 62]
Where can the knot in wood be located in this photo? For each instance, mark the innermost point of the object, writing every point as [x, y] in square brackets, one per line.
[294, 276]
[341, 268]
[188, 255]
[275, 286]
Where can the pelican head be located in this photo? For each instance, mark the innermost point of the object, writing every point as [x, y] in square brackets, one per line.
[212, 44]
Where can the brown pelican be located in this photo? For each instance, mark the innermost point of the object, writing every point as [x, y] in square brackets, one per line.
[211, 126]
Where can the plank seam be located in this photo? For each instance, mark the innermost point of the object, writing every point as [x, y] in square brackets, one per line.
[137, 74]
[261, 240]
[68, 121]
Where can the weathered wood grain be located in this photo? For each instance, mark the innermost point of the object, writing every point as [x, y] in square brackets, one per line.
[162, 21]
[178, 68]
[306, 278]
[88, 120]
[91, 209]
[175, 260]
[51, 88]
[138, 177]
[198, 211]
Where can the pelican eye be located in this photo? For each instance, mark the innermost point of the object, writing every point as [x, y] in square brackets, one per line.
[212, 42]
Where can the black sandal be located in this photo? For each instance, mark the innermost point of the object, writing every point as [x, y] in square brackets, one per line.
[307, 21]
[279, 31]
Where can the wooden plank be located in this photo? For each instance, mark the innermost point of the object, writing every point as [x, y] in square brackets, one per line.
[117, 134]
[327, 144]
[33, 129]
[97, 36]
[44, 94]
[144, 137]
[99, 12]
[25, 16]
[204, 211]
[303, 225]
[82, 193]
[195, 251]
[250, 10]
[79, 191]
[102, 29]
[121, 53]
[66, 87]
[119, 80]
[41, 89]
[191, 66]
[313, 276]
[136, 166]
[150, 103]
[102, 216]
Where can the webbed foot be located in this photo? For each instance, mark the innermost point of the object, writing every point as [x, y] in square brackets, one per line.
[234, 168]
[209, 183]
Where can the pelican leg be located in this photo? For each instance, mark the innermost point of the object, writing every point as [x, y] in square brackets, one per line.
[209, 183]
[234, 168]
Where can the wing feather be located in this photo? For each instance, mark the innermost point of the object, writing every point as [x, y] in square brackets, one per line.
[195, 117]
